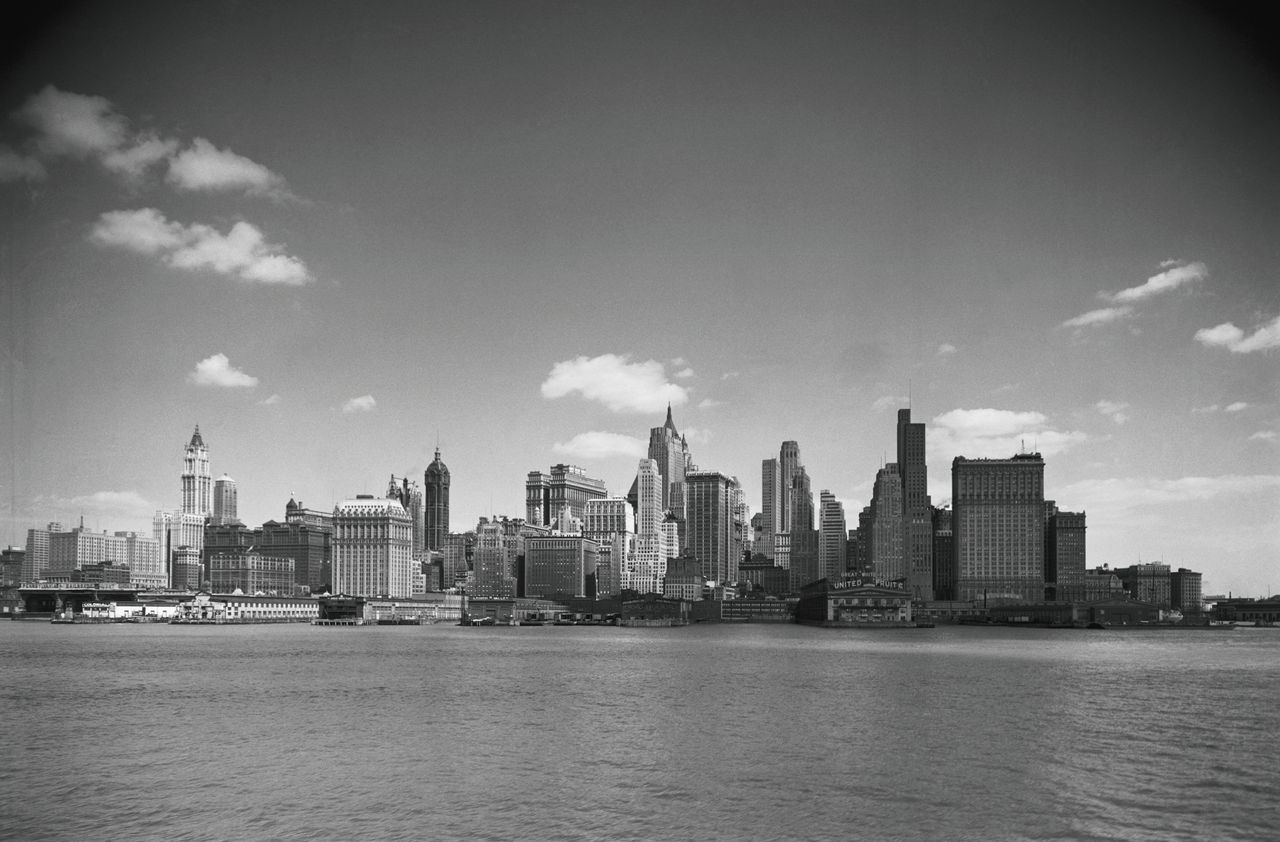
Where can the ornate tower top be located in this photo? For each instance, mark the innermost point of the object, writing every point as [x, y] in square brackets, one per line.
[670, 424]
[437, 467]
[196, 440]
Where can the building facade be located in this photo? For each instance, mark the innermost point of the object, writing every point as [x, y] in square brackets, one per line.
[251, 573]
[1064, 556]
[225, 503]
[887, 555]
[833, 537]
[547, 495]
[917, 509]
[560, 565]
[713, 528]
[997, 525]
[435, 484]
[372, 548]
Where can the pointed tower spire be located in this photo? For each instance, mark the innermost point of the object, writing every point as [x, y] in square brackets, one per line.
[196, 440]
[670, 424]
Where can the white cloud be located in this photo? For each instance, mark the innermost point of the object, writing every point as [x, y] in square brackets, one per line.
[1115, 410]
[74, 125]
[888, 402]
[15, 167]
[946, 349]
[218, 371]
[364, 403]
[1103, 316]
[203, 166]
[1173, 277]
[120, 504]
[1125, 494]
[694, 435]
[601, 445]
[684, 373]
[709, 403]
[1227, 335]
[242, 252]
[271, 401]
[997, 433]
[1238, 406]
[1263, 435]
[133, 161]
[616, 382]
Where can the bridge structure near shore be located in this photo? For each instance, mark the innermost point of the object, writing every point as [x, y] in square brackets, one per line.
[48, 599]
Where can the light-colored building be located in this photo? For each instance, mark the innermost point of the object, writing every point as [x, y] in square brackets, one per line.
[372, 548]
[251, 573]
[197, 482]
[493, 560]
[225, 503]
[833, 537]
[546, 495]
[997, 525]
[656, 538]
[35, 563]
[886, 553]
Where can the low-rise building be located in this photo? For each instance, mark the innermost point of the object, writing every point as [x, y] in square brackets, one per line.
[855, 602]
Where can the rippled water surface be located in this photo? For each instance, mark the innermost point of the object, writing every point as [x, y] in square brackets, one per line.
[717, 732]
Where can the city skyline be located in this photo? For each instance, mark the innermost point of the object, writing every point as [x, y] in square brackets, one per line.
[519, 233]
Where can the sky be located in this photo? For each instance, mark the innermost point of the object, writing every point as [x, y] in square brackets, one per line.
[338, 235]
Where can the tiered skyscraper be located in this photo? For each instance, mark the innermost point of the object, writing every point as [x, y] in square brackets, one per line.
[224, 501]
[546, 495]
[833, 538]
[372, 548]
[435, 484]
[671, 451]
[656, 535]
[181, 532]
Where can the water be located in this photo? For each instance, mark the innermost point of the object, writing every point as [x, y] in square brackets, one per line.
[716, 732]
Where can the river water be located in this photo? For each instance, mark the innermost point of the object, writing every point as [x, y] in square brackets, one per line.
[711, 732]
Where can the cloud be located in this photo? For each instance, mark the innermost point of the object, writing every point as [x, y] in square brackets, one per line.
[121, 504]
[364, 403]
[15, 167]
[1125, 494]
[1227, 335]
[616, 382]
[946, 349]
[73, 125]
[684, 373]
[218, 371]
[1115, 410]
[133, 161]
[203, 166]
[1173, 277]
[888, 402]
[600, 445]
[1238, 406]
[708, 403]
[241, 252]
[271, 401]
[1263, 435]
[1103, 316]
[695, 435]
[998, 433]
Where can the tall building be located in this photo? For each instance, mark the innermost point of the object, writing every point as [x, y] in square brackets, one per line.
[1186, 590]
[997, 525]
[801, 495]
[224, 501]
[943, 582]
[372, 548]
[788, 466]
[886, 554]
[546, 495]
[494, 559]
[917, 509]
[670, 451]
[804, 558]
[435, 483]
[197, 482]
[35, 561]
[833, 538]
[560, 565]
[656, 540]
[770, 506]
[309, 545]
[406, 491]
[714, 531]
[455, 558]
[1064, 555]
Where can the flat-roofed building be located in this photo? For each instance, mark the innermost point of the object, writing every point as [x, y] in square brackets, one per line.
[372, 548]
[251, 573]
[560, 565]
[997, 526]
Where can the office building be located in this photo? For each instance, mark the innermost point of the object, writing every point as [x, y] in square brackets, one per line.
[35, 560]
[714, 530]
[917, 509]
[886, 552]
[494, 559]
[435, 483]
[1064, 555]
[943, 572]
[770, 514]
[546, 495]
[251, 573]
[788, 466]
[1148, 583]
[560, 566]
[372, 548]
[833, 538]
[1186, 590]
[997, 525]
[224, 501]
[656, 537]
[197, 482]
[409, 495]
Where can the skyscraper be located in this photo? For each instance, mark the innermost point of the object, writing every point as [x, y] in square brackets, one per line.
[833, 538]
[714, 532]
[917, 510]
[654, 542]
[788, 465]
[372, 548]
[224, 501]
[1064, 555]
[435, 482]
[886, 554]
[770, 506]
[197, 482]
[670, 450]
[407, 492]
[546, 495]
[997, 525]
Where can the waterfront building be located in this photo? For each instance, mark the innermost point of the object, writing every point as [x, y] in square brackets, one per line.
[224, 501]
[1102, 583]
[764, 575]
[856, 601]
[35, 561]
[832, 537]
[1186, 590]
[1148, 583]
[494, 559]
[887, 555]
[142, 555]
[560, 566]
[251, 573]
[546, 495]
[1064, 555]
[684, 579]
[307, 544]
[998, 528]
[943, 583]
[186, 571]
[372, 548]
[917, 509]
[455, 558]
[806, 565]
[435, 483]
[714, 531]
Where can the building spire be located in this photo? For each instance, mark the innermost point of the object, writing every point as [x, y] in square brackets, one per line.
[196, 440]
[670, 424]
